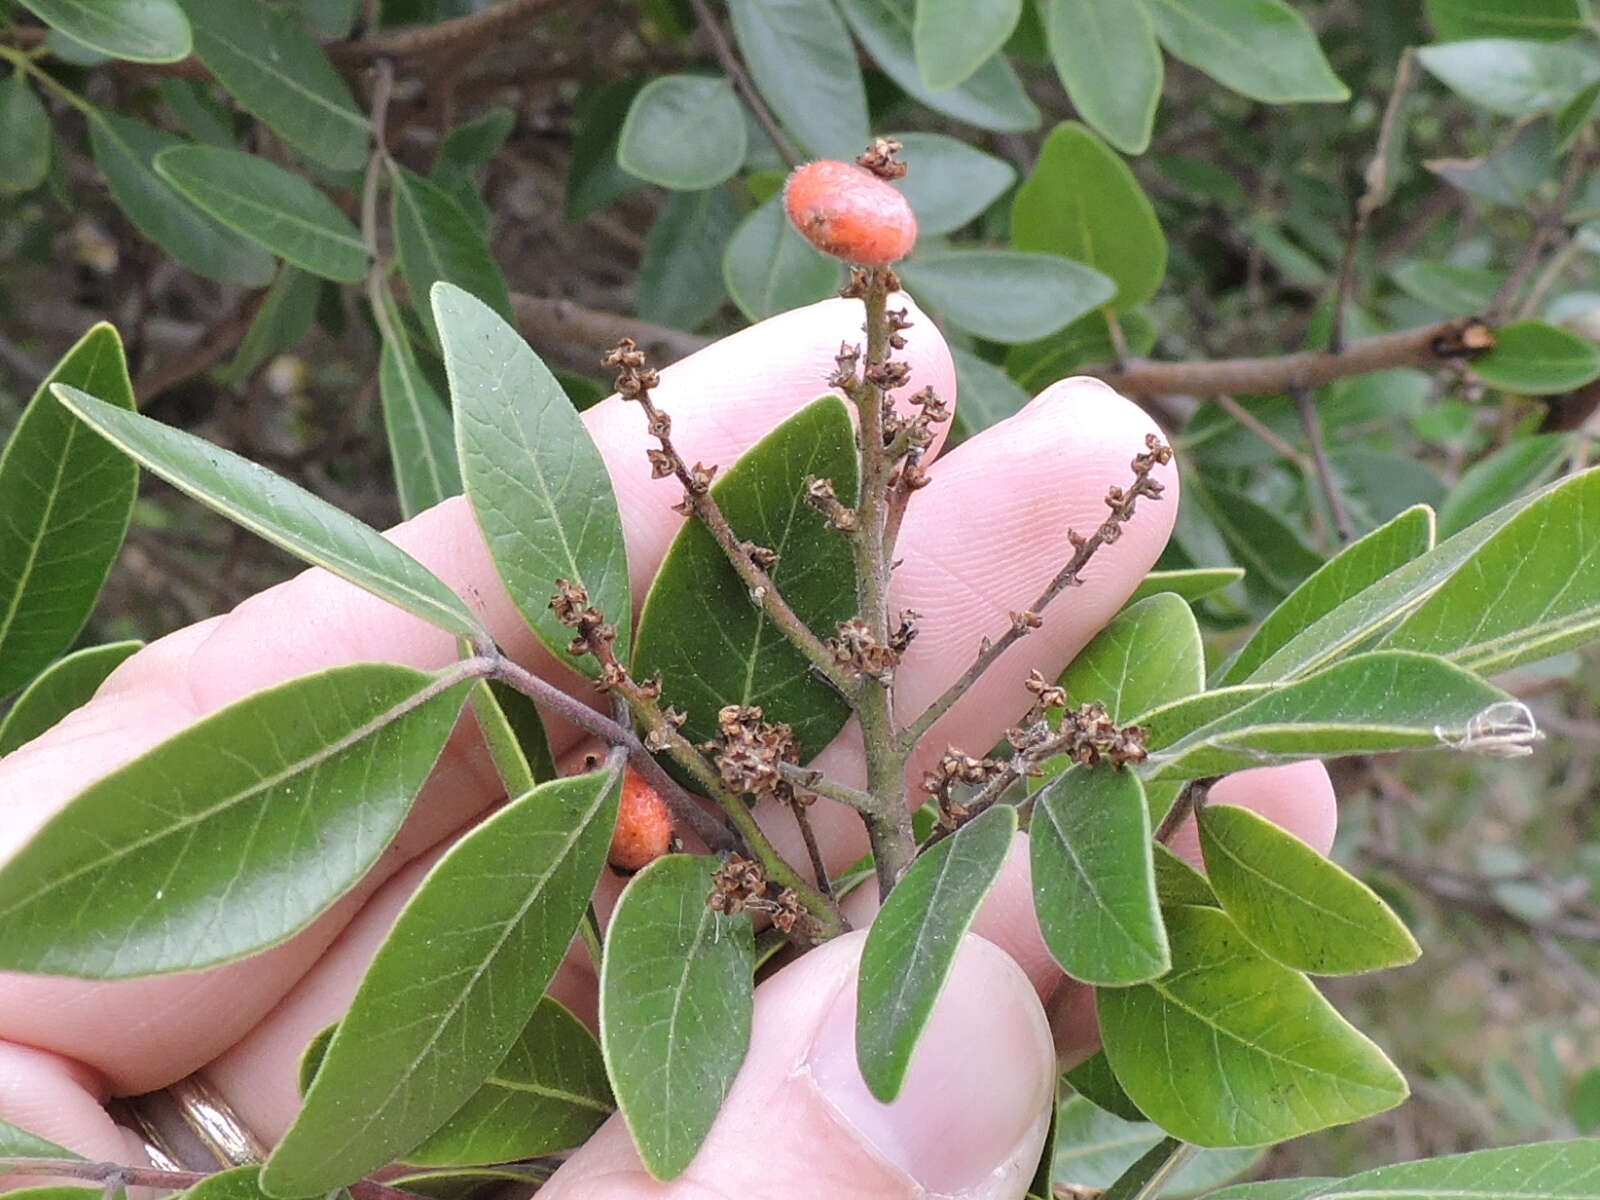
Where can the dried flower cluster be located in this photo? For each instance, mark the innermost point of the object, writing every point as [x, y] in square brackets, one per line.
[740, 884]
[749, 751]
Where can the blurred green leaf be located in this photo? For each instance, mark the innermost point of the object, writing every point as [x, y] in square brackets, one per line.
[1584, 1102]
[1262, 49]
[1510, 173]
[330, 18]
[802, 61]
[270, 206]
[698, 629]
[453, 986]
[416, 421]
[1510, 471]
[284, 316]
[1094, 1081]
[676, 1005]
[769, 268]
[1082, 201]
[683, 131]
[1106, 54]
[680, 276]
[16, 1142]
[173, 862]
[1004, 295]
[475, 142]
[1274, 1189]
[987, 394]
[437, 241]
[1272, 551]
[1516, 78]
[950, 183]
[537, 483]
[64, 685]
[280, 75]
[953, 38]
[200, 115]
[1452, 290]
[1037, 365]
[594, 179]
[1233, 1049]
[67, 497]
[1456, 20]
[1094, 1148]
[26, 137]
[1556, 1170]
[1537, 359]
[153, 31]
[912, 944]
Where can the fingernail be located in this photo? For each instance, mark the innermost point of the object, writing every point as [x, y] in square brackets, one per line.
[977, 1096]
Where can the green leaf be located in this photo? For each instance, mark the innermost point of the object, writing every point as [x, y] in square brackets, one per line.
[16, 1142]
[279, 74]
[988, 395]
[1150, 654]
[524, 723]
[1082, 202]
[912, 944]
[138, 30]
[285, 315]
[1295, 905]
[1531, 591]
[422, 442]
[1274, 1189]
[548, 1094]
[201, 116]
[1148, 1177]
[1504, 475]
[1583, 1105]
[699, 630]
[1448, 288]
[453, 986]
[1558, 1170]
[67, 497]
[799, 54]
[1093, 877]
[680, 276]
[1179, 883]
[769, 268]
[1094, 1148]
[1537, 359]
[177, 860]
[1273, 551]
[1367, 704]
[537, 484]
[1516, 78]
[1508, 174]
[67, 684]
[594, 179]
[1262, 49]
[233, 1183]
[25, 137]
[1094, 1081]
[991, 98]
[676, 1005]
[270, 206]
[950, 183]
[1005, 295]
[474, 143]
[953, 38]
[1106, 54]
[1193, 583]
[1455, 20]
[124, 150]
[437, 241]
[683, 131]
[1233, 1049]
[270, 506]
[1359, 566]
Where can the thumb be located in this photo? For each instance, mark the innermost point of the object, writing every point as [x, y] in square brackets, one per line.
[800, 1123]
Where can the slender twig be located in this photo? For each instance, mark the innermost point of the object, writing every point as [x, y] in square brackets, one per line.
[819, 868]
[815, 782]
[1323, 469]
[1549, 223]
[151, 1177]
[1265, 432]
[1190, 800]
[728, 59]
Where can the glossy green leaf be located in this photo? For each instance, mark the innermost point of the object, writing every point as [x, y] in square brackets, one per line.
[1094, 1080]
[537, 483]
[1150, 654]
[285, 315]
[988, 395]
[1507, 473]
[16, 1142]
[1510, 76]
[1295, 905]
[1531, 591]
[699, 630]
[1167, 724]
[1262, 49]
[268, 505]
[953, 38]
[66, 684]
[269, 205]
[1005, 295]
[1082, 201]
[524, 723]
[437, 242]
[1456, 20]
[769, 268]
[1556, 1170]
[25, 137]
[991, 98]
[66, 497]
[548, 1094]
[125, 150]
[422, 442]
[1193, 583]
[949, 182]
[138, 30]
[680, 276]
[1233, 1049]
[1366, 704]
[683, 131]
[453, 986]
[1358, 566]
[177, 860]
[676, 1005]
[1094, 1148]
[799, 54]
[1093, 877]
[279, 74]
[1106, 54]
[1537, 359]
[912, 944]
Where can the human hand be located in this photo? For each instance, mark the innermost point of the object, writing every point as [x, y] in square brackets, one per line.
[977, 544]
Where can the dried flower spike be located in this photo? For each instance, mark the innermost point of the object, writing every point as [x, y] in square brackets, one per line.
[850, 213]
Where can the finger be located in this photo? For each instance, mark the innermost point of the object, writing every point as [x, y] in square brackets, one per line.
[143, 1034]
[60, 1101]
[800, 1123]
[1299, 797]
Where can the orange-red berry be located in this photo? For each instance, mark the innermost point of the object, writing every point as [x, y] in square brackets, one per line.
[644, 826]
[850, 213]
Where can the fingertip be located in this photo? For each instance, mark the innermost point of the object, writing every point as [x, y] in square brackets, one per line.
[1299, 797]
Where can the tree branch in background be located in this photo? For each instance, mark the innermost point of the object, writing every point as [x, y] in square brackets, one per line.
[548, 320]
[728, 59]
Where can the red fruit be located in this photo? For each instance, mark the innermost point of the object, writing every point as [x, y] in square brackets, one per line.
[644, 826]
[850, 213]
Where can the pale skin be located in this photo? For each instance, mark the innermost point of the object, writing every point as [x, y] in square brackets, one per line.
[977, 544]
